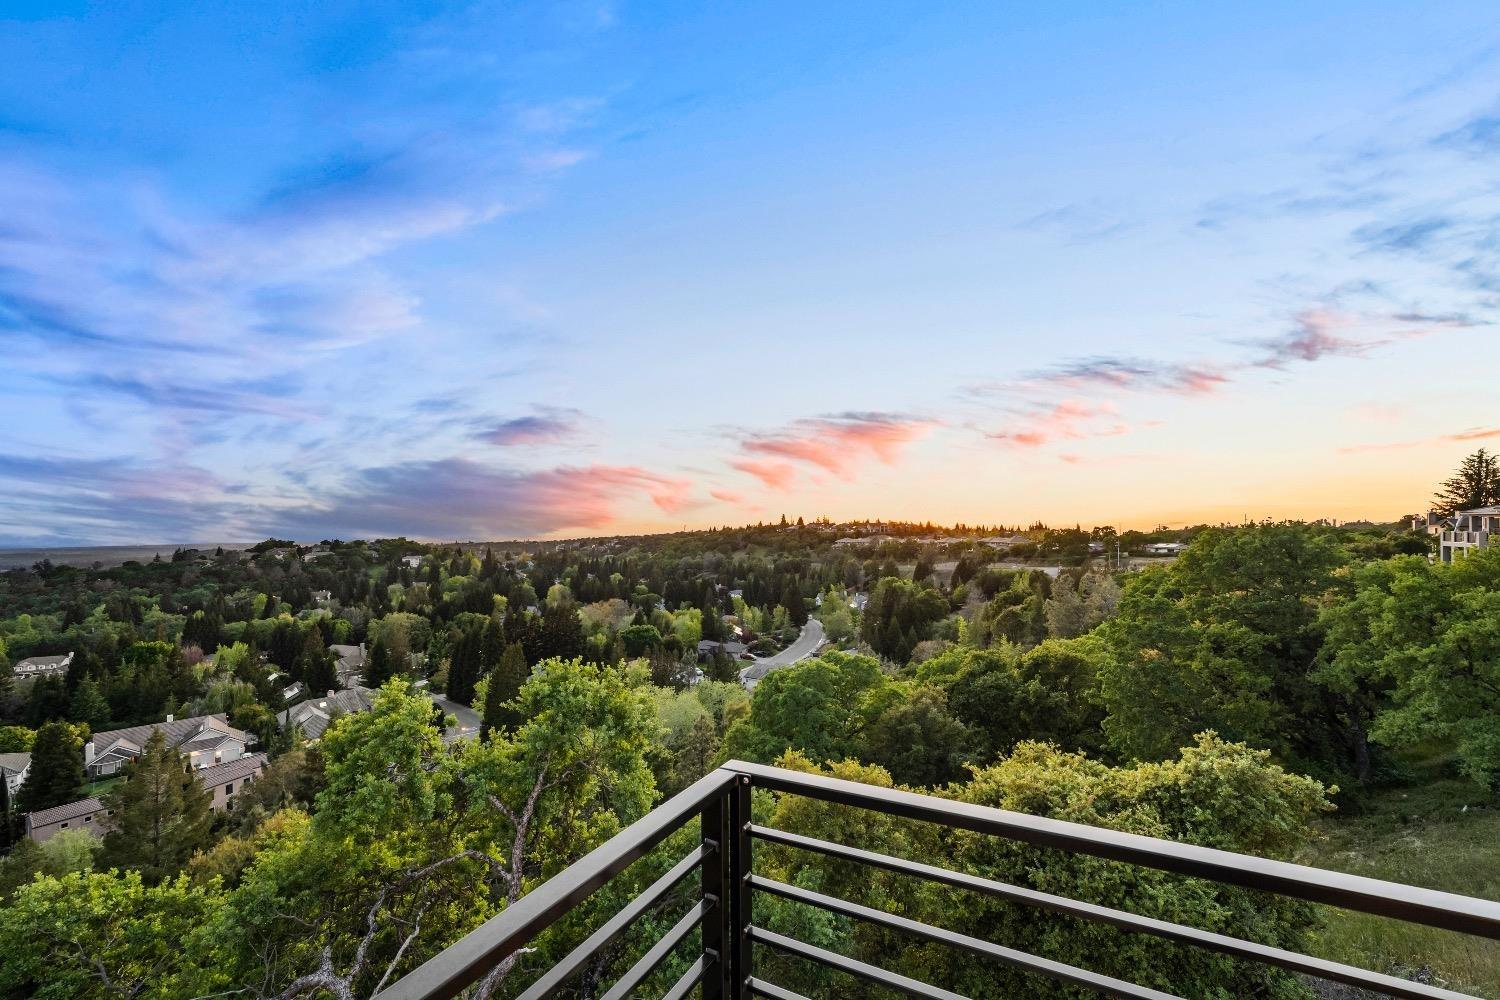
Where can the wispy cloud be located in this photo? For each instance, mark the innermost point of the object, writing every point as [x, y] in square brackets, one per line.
[549, 425]
[836, 444]
[1458, 437]
[1069, 420]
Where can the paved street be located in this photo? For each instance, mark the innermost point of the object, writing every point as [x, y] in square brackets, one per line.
[468, 719]
[801, 648]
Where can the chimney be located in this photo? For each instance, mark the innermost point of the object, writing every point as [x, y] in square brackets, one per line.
[169, 716]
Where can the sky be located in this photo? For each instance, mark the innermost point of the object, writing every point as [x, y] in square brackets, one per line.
[501, 270]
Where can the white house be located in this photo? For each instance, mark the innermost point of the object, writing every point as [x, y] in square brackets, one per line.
[1471, 529]
[1165, 548]
[412, 561]
[205, 740]
[13, 768]
[43, 666]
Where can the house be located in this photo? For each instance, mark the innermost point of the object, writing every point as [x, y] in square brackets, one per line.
[1431, 523]
[411, 561]
[43, 666]
[1471, 529]
[1165, 548]
[85, 814]
[292, 691]
[315, 715]
[351, 665]
[317, 552]
[224, 781]
[205, 740]
[13, 768]
[322, 597]
[1004, 542]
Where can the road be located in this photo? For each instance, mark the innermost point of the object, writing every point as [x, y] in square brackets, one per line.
[801, 648]
[468, 719]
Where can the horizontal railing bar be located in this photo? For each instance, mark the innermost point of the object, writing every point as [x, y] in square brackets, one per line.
[560, 973]
[470, 957]
[1323, 969]
[853, 966]
[660, 950]
[1105, 985]
[689, 980]
[762, 988]
[1386, 899]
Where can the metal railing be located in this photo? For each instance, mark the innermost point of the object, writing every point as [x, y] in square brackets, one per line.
[722, 968]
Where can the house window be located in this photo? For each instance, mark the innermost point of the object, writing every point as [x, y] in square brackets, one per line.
[64, 825]
[229, 789]
[88, 819]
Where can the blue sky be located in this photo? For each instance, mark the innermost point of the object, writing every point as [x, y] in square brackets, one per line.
[512, 270]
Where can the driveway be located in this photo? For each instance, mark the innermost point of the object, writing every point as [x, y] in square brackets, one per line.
[468, 719]
[801, 648]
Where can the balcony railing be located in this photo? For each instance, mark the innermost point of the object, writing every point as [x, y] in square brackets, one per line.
[1467, 537]
[724, 904]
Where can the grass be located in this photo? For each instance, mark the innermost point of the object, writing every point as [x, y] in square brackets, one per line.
[1440, 833]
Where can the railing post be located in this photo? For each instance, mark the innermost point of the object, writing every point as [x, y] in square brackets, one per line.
[740, 969]
[718, 934]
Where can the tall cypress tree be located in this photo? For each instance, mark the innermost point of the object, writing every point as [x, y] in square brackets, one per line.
[56, 775]
[505, 684]
[381, 667]
[160, 814]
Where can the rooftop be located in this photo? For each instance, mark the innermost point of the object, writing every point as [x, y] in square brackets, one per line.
[66, 811]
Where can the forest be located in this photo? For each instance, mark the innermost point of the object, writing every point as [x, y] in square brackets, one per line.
[1273, 686]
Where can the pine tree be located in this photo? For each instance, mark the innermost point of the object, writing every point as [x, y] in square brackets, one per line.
[505, 684]
[381, 666]
[796, 607]
[56, 775]
[463, 665]
[160, 814]
[315, 664]
[89, 706]
[1475, 484]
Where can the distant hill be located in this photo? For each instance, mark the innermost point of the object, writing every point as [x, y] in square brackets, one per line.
[105, 555]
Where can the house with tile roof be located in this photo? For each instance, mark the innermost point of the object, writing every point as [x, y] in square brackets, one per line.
[1471, 529]
[351, 663]
[85, 814]
[223, 782]
[205, 740]
[315, 715]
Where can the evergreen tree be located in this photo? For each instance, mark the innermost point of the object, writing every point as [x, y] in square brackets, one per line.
[315, 664]
[1475, 484]
[90, 706]
[56, 775]
[160, 814]
[7, 675]
[381, 666]
[505, 683]
[792, 600]
[463, 665]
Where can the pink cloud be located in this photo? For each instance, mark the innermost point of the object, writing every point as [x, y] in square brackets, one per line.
[836, 444]
[727, 496]
[1070, 420]
[775, 475]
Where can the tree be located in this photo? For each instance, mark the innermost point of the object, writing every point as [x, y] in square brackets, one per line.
[380, 667]
[315, 664]
[160, 814]
[1215, 794]
[503, 687]
[1475, 484]
[917, 740]
[56, 776]
[89, 706]
[819, 707]
[111, 935]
